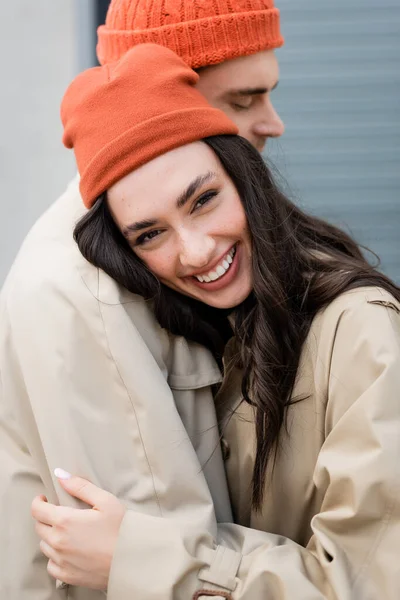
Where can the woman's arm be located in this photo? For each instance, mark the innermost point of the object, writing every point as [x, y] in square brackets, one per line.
[354, 551]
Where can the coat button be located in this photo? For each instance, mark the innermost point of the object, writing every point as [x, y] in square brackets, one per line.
[226, 451]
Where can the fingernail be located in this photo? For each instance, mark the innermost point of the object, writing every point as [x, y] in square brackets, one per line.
[61, 474]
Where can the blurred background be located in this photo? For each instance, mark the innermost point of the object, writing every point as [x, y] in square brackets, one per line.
[339, 96]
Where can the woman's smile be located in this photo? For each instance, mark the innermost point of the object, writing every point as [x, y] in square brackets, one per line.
[221, 275]
[220, 270]
[191, 232]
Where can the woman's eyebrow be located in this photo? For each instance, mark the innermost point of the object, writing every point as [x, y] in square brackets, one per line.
[134, 227]
[182, 199]
[193, 187]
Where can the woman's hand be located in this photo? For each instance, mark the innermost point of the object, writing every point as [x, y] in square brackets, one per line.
[79, 543]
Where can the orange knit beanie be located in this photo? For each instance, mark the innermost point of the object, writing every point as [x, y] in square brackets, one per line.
[120, 116]
[201, 32]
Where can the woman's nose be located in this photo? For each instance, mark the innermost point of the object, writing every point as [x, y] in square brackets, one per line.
[196, 250]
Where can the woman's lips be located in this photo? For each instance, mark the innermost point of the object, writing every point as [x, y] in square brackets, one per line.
[222, 281]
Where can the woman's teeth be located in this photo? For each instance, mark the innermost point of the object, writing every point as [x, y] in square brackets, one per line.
[220, 270]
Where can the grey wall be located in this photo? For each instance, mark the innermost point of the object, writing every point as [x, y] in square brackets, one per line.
[340, 99]
[38, 62]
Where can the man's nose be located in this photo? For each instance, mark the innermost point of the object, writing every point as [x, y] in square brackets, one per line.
[270, 124]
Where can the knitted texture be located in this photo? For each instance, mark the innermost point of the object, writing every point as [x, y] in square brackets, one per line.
[201, 32]
[120, 116]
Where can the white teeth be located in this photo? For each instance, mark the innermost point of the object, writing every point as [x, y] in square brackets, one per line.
[220, 270]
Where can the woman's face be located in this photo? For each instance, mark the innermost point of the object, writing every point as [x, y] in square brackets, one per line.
[182, 215]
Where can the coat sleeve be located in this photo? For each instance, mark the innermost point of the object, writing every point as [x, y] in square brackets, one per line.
[81, 389]
[60, 397]
[23, 574]
[353, 553]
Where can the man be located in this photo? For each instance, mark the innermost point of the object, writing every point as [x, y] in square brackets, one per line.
[88, 379]
[230, 44]
[248, 102]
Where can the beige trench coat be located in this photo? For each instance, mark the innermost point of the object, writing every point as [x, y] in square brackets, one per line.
[86, 381]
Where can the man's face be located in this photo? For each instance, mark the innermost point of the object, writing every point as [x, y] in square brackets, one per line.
[242, 88]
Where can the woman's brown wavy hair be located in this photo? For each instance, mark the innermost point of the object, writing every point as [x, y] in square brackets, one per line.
[300, 264]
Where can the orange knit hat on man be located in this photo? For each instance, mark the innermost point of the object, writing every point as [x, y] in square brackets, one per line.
[201, 32]
[120, 116]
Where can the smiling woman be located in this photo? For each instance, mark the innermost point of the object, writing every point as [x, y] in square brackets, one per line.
[306, 332]
[192, 232]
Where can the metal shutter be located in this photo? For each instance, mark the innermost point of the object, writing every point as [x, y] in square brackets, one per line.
[339, 96]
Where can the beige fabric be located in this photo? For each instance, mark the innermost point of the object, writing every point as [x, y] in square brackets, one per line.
[85, 378]
[335, 490]
[330, 523]
[84, 385]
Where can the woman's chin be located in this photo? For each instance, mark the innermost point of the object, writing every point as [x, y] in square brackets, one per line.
[227, 300]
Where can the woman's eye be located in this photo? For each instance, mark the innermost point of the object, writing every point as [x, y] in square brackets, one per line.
[204, 199]
[146, 237]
